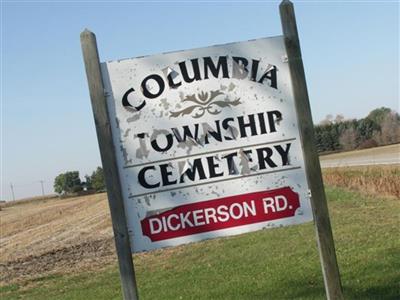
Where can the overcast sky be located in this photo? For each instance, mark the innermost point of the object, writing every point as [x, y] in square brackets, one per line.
[350, 51]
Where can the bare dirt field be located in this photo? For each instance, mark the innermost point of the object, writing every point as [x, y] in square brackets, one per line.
[55, 235]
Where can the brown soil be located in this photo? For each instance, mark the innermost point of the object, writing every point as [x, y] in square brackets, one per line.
[40, 238]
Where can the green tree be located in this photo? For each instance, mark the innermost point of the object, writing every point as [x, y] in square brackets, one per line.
[365, 129]
[98, 182]
[380, 127]
[378, 115]
[88, 183]
[67, 183]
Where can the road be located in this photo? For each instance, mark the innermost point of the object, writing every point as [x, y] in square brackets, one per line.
[374, 156]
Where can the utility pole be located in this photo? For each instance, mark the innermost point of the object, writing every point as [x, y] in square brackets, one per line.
[41, 183]
[12, 191]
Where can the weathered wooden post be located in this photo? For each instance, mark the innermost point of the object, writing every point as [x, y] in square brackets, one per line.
[322, 223]
[144, 178]
[106, 145]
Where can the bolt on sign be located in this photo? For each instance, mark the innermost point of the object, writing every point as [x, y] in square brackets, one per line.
[207, 142]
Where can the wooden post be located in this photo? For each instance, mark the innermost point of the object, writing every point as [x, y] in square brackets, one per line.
[109, 161]
[322, 223]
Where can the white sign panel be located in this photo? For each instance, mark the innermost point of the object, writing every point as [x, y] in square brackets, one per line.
[207, 142]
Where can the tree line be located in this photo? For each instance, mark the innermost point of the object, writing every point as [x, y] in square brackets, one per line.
[70, 182]
[380, 127]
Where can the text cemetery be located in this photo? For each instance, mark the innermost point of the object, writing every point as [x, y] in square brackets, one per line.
[219, 164]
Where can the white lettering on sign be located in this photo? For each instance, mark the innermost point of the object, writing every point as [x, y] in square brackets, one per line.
[207, 142]
[277, 203]
[221, 213]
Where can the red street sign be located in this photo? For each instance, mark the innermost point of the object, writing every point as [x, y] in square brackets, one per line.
[221, 213]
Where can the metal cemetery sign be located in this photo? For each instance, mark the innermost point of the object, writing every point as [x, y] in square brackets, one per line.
[207, 142]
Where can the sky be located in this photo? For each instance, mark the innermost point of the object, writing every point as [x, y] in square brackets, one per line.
[350, 52]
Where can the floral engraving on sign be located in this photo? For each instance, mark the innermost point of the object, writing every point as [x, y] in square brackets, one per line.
[205, 102]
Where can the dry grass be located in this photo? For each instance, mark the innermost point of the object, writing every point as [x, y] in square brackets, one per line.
[373, 180]
[28, 200]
